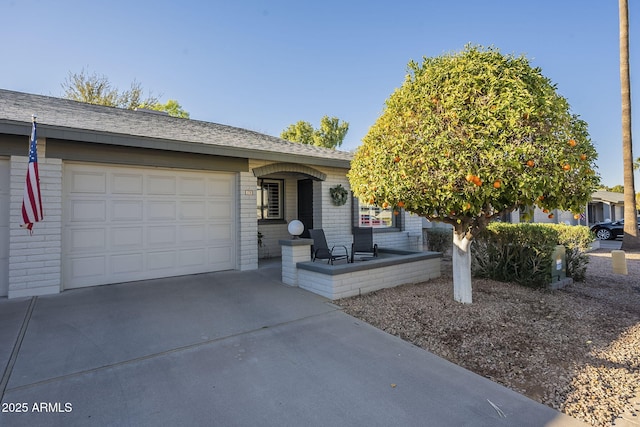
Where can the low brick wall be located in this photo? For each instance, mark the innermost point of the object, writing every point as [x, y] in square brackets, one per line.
[393, 268]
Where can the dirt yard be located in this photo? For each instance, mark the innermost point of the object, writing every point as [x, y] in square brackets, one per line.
[576, 349]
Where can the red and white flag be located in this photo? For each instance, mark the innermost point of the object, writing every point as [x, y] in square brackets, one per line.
[32, 200]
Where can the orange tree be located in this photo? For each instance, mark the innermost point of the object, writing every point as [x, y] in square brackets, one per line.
[470, 136]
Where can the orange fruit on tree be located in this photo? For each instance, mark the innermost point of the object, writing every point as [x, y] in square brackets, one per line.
[576, 216]
[572, 142]
[467, 206]
[531, 163]
[401, 204]
[470, 177]
[385, 205]
[545, 210]
[497, 184]
[541, 198]
[583, 157]
[550, 216]
[396, 159]
[566, 167]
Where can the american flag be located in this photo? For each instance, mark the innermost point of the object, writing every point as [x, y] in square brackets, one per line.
[32, 200]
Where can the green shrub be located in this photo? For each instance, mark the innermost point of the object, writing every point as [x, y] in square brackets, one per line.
[577, 240]
[519, 253]
[439, 239]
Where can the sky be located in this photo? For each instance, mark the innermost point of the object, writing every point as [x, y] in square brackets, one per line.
[265, 64]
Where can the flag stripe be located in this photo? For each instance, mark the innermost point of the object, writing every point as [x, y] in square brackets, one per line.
[32, 198]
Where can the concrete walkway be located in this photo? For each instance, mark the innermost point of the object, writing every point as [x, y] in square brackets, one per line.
[229, 349]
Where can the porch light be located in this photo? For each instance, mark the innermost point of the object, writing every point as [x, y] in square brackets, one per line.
[295, 228]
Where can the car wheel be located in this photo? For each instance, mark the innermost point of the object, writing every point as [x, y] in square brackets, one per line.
[603, 234]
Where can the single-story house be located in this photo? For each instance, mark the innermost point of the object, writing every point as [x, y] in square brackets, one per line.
[606, 205]
[132, 195]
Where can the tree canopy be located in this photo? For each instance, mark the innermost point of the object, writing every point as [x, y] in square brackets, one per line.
[470, 136]
[330, 134]
[92, 88]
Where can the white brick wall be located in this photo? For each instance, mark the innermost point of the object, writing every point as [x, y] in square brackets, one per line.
[291, 256]
[409, 238]
[34, 260]
[247, 224]
[335, 220]
[364, 281]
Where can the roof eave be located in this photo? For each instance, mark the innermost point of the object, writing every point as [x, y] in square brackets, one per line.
[72, 134]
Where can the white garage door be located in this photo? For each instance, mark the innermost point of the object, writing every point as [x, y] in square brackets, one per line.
[132, 223]
[4, 227]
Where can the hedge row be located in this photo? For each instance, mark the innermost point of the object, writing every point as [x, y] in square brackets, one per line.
[522, 253]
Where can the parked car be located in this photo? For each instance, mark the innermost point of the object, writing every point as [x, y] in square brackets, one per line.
[610, 230]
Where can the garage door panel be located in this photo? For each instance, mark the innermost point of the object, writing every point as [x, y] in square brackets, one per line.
[127, 238]
[220, 210]
[88, 210]
[127, 263]
[88, 266]
[220, 188]
[82, 240]
[161, 185]
[126, 210]
[125, 223]
[126, 183]
[88, 182]
[161, 210]
[222, 257]
[193, 186]
[161, 262]
[192, 257]
[220, 233]
[188, 235]
[164, 236]
[193, 209]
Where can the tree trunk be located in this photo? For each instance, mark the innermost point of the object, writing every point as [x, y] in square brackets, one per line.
[631, 239]
[461, 256]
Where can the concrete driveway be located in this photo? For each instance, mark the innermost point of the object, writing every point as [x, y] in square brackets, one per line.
[229, 349]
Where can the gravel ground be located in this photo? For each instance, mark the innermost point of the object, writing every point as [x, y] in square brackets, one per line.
[576, 349]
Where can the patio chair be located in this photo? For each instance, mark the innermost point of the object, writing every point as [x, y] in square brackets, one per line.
[363, 243]
[320, 248]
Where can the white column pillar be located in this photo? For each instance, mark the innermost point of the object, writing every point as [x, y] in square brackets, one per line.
[293, 252]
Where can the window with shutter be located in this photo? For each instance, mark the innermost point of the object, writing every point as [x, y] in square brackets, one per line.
[270, 199]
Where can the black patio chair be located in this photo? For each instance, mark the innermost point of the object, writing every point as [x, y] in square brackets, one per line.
[320, 249]
[363, 243]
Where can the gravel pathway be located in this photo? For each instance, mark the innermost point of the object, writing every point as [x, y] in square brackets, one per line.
[576, 349]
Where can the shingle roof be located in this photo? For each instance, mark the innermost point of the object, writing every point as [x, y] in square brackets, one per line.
[71, 120]
[608, 196]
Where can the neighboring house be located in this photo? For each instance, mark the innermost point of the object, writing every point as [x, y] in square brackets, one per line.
[606, 205]
[132, 195]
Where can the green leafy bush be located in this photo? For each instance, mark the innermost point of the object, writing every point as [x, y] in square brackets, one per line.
[577, 240]
[439, 239]
[519, 253]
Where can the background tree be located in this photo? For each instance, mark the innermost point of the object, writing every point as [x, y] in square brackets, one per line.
[330, 134]
[172, 107]
[470, 136]
[615, 189]
[301, 132]
[97, 89]
[631, 238]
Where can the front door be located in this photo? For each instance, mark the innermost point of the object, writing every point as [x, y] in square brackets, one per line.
[305, 205]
